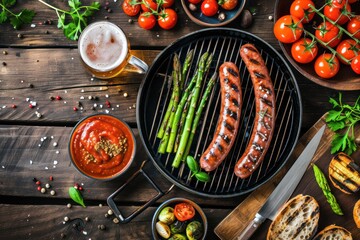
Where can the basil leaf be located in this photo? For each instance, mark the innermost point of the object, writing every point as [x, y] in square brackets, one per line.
[75, 195]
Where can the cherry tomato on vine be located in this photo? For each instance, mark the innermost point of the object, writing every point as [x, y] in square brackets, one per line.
[327, 65]
[328, 33]
[301, 9]
[288, 29]
[147, 21]
[167, 18]
[354, 26]
[355, 64]
[348, 49]
[130, 10]
[228, 4]
[304, 50]
[338, 15]
[195, 1]
[337, 3]
[168, 3]
[184, 211]
[209, 7]
[149, 4]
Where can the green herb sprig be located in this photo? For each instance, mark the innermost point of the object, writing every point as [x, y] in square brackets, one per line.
[195, 169]
[15, 19]
[323, 184]
[75, 20]
[75, 195]
[343, 116]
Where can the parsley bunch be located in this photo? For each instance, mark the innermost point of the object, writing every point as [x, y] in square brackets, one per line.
[16, 19]
[343, 116]
[75, 20]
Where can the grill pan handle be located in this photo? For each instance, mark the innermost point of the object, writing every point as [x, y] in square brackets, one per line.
[115, 209]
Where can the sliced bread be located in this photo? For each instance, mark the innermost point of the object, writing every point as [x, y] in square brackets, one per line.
[297, 219]
[333, 232]
[356, 213]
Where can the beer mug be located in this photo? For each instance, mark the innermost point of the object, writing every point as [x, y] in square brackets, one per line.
[105, 51]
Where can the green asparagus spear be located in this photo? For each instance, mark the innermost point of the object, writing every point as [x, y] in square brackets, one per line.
[323, 184]
[176, 74]
[190, 116]
[204, 98]
[185, 68]
[181, 123]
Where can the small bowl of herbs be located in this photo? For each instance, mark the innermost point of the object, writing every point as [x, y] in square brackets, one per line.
[180, 219]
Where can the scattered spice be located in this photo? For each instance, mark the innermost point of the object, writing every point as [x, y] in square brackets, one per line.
[4, 64]
[5, 52]
[39, 188]
[52, 192]
[47, 185]
[43, 190]
[68, 205]
[13, 106]
[75, 109]
[66, 219]
[31, 85]
[58, 97]
[87, 219]
[34, 180]
[126, 94]
[20, 35]
[51, 98]
[115, 220]
[38, 182]
[51, 178]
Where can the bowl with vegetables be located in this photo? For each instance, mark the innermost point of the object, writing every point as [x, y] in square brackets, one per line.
[321, 39]
[179, 219]
[213, 13]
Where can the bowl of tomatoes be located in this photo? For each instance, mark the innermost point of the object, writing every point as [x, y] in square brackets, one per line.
[179, 218]
[213, 13]
[321, 39]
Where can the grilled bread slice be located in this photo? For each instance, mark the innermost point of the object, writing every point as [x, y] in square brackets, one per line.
[356, 213]
[344, 173]
[297, 219]
[333, 232]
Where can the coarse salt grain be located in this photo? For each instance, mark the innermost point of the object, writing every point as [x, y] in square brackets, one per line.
[32, 25]
[46, 168]
[55, 144]
[57, 152]
[82, 90]
[107, 111]
[55, 162]
[107, 95]
[82, 97]
[31, 162]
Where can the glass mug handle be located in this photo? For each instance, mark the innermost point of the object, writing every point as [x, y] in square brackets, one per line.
[139, 64]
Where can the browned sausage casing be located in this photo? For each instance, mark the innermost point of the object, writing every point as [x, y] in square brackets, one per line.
[264, 121]
[229, 119]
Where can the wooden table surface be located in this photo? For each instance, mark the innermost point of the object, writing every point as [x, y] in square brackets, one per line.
[44, 64]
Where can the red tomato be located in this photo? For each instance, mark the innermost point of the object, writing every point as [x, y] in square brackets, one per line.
[304, 50]
[228, 4]
[338, 15]
[167, 18]
[354, 26]
[327, 65]
[195, 1]
[352, 1]
[130, 10]
[328, 33]
[147, 21]
[184, 211]
[168, 3]
[209, 7]
[348, 49]
[355, 64]
[149, 4]
[301, 10]
[288, 29]
[337, 3]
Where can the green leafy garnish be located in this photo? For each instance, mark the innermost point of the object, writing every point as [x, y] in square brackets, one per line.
[343, 116]
[75, 195]
[195, 169]
[323, 184]
[75, 20]
[15, 19]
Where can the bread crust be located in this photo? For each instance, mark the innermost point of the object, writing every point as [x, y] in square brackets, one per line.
[297, 219]
[333, 232]
[356, 213]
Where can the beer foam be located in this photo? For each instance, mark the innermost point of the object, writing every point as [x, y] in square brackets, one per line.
[103, 46]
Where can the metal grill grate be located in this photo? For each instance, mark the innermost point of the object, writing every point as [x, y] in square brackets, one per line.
[225, 45]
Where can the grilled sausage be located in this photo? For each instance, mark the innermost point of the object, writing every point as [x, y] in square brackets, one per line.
[264, 121]
[229, 118]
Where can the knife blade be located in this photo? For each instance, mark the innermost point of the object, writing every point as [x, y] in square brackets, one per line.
[285, 188]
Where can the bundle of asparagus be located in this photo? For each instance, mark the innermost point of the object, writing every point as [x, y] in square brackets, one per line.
[182, 116]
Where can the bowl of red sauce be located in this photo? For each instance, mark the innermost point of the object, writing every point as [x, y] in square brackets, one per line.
[102, 146]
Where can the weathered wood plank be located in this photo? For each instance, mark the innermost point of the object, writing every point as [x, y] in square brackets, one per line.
[48, 35]
[23, 159]
[47, 222]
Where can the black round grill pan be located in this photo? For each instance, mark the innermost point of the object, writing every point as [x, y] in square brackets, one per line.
[154, 95]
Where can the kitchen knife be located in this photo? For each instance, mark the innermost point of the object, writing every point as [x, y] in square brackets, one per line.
[285, 188]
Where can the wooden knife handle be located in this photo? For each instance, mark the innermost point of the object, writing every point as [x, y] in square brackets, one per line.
[251, 228]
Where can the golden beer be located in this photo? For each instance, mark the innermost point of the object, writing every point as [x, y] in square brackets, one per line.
[105, 50]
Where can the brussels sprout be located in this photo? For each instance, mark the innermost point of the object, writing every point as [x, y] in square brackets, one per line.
[178, 227]
[178, 237]
[163, 230]
[167, 215]
[194, 230]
